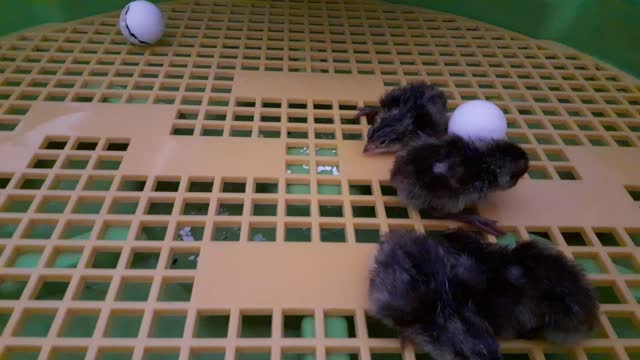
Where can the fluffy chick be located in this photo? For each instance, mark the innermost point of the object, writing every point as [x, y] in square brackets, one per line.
[446, 175]
[406, 112]
[454, 295]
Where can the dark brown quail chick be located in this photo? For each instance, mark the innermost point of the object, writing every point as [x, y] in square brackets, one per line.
[453, 295]
[416, 109]
[443, 176]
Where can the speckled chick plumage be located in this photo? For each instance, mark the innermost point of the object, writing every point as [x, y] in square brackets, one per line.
[408, 112]
[446, 175]
[454, 295]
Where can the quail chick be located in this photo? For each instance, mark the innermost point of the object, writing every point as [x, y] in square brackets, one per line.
[454, 295]
[405, 112]
[446, 175]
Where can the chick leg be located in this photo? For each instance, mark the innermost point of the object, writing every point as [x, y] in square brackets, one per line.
[479, 222]
[369, 113]
[404, 341]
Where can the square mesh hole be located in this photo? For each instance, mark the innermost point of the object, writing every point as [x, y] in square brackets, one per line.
[144, 260]
[21, 353]
[212, 325]
[366, 234]
[195, 207]
[92, 289]
[226, 232]
[79, 324]
[114, 231]
[625, 326]
[105, 259]
[13, 287]
[25, 257]
[634, 192]
[607, 237]
[360, 189]
[124, 206]
[573, 237]
[123, 324]
[252, 354]
[166, 186]
[262, 232]
[64, 183]
[8, 227]
[625, 264]
[331, 209]
[88, 205]
[53, 205]
[555, 155]
[159, 207]
[184, 260]
[234, 187]
[55, 143]
[71, 353]
[378, 330]
[132, 184]
[264, 209]
[538, 173]
[31, 182]
[298, 187]
[99, 183]
[338, 326]
[297, 354]
[134, 289]
[183, 130]
[589, 263]
[333, 233]
[53, 289]
[43, 162]
[363, 210]
[77, 230]
[385, 356]
[230, 208]
[298, 167]
[255, 326]
[328, 169]
[566, 173]
[297, 233]
[396, 212]
[178, 290]
[606, 294]
[34, 323]
[200, 186]
[189, 232]
[39, 229]
[298, 326]
[65, 258]
[266, 187]
[17, 204]
[298, 210]
[342, 354]
[86, 145]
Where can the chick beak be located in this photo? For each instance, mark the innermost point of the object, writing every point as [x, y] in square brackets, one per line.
[369, 149]
[375, 149]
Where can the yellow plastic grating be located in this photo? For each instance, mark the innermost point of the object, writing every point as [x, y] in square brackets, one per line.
[207, 199]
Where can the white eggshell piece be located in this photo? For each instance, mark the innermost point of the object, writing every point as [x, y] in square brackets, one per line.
[142, 22]
[478, 119]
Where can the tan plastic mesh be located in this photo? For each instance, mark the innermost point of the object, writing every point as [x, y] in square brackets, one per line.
[215, 181]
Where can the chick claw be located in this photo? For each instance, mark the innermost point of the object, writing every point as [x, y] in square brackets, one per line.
[479, 222]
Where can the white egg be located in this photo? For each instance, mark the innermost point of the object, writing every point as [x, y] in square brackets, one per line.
[478, 119]
[141, 22]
